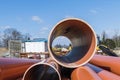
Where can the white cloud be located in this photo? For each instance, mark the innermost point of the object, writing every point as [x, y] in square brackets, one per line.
[37, 19]
[44, 28]
[44, 31]
[69, 16]
[93, 11]
[4, 27]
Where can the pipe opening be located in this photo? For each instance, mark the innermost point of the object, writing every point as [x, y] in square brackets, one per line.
[42, 72]
[61, 46]
[82, 39]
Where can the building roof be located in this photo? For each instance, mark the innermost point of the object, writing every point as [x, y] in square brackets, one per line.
[37, 40]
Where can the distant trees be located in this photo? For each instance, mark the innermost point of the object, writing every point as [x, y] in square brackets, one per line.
[109, 42]
[62, 46]
[26, 36]
[12, 34]
[104, 37]
[0, 40]
[116, 39]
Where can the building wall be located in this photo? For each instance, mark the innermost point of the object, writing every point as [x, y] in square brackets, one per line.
[34, 47]
[14, 46]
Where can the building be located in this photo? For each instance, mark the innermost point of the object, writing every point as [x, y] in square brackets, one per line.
[36, 45]
[14, 48]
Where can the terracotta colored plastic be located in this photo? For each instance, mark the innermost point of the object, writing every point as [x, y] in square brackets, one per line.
[84, 73]
[82, 37]
[105, 75]
[107, 62]
[14, 68]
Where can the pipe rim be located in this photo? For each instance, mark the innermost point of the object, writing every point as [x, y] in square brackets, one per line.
[72, 66]
[39, 64]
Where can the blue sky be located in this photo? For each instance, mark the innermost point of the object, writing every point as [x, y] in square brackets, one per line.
[37, 17]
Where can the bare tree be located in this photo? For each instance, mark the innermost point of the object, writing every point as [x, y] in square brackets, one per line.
[0, 40]
[26, 36]
[104, 37]
[116, 38]
[10, 34]
[98, 40]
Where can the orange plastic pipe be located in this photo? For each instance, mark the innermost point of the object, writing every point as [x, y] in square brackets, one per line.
[45, 70]
[14, 68]
[83, 41]
[84, 73]
[103, 74]
[107, 62]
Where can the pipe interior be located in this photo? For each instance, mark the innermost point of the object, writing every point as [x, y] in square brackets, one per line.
[80, 35]
[41, 72]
